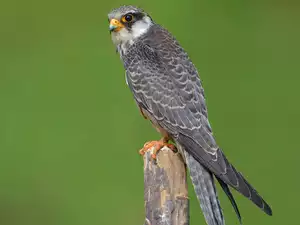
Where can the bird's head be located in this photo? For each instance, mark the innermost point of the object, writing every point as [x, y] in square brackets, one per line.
[127, 23]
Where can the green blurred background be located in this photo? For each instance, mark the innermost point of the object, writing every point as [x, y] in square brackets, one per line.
[70, 130]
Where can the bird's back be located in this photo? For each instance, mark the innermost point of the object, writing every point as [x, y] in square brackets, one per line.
[165, 83]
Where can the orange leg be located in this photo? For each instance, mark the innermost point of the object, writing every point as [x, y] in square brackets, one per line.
[157, 146]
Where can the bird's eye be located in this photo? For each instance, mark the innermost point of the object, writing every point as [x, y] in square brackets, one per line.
[127, 18]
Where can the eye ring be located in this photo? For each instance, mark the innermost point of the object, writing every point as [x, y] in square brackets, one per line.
[128, 18]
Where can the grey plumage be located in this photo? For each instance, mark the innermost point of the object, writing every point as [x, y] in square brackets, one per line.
[166, 85]
[205, 190]
[231, 198]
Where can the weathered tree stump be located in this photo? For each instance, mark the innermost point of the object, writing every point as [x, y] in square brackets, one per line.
[165, 191]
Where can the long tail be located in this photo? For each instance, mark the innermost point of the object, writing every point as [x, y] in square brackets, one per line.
[205, 190]
[231, 198]
[216, 162]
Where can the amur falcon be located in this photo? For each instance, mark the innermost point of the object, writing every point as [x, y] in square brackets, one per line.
[168, 91]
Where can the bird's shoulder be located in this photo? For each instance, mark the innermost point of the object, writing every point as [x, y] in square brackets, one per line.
[163, 43]
[160, 51]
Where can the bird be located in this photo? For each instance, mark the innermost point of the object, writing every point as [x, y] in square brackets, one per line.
[168, 91]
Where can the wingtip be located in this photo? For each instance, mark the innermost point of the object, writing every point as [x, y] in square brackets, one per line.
[231, 198]
[268, 210]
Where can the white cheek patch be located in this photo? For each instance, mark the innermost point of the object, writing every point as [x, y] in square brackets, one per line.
[140, 27]
[124, 37]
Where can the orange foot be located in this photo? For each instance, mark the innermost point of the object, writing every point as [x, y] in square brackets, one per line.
[157, 146]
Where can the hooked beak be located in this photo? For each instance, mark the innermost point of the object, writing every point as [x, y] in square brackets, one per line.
[115, 25]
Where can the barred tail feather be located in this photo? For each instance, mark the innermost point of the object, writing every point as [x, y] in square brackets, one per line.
[205, 189]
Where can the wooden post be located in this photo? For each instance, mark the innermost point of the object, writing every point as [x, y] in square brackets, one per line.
[165, 191]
